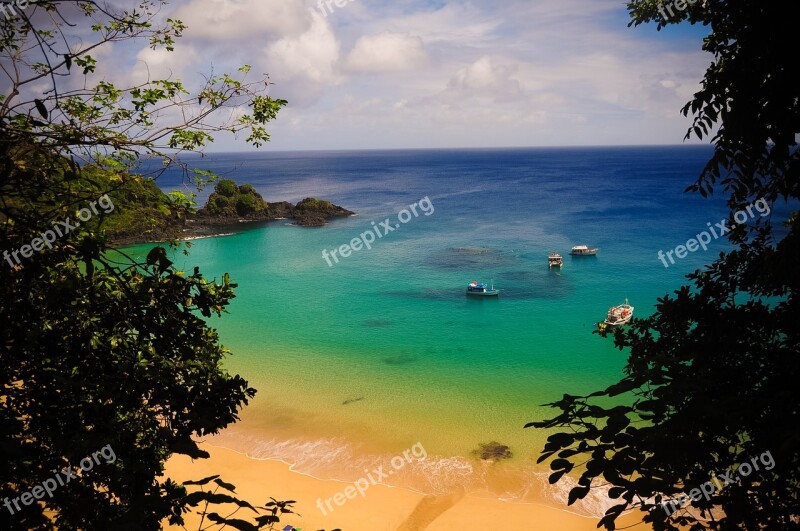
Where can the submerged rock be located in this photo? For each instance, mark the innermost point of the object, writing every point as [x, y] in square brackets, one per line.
[377, 323]
[400, 359]
[461, 258]
[493, 451]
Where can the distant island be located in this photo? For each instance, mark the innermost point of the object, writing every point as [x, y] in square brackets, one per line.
[146, 214]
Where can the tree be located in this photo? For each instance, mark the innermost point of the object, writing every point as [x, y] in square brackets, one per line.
[711, 379]
[99, 351]
[230, 200]
[226, 188]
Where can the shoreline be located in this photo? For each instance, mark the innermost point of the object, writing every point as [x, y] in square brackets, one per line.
[382, 506]
[205, 230]
[200, 232]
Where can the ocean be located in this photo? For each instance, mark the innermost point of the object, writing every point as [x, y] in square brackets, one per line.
[359, 360]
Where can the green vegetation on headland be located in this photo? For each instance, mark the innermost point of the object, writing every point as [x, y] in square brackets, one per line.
[230, 203]
[229, 200]
[144, 213]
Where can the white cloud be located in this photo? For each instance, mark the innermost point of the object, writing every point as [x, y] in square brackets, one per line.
[387, 52]
[161, 64]
[487, 78]
[455, 72]
[222, 20]
[305, 64]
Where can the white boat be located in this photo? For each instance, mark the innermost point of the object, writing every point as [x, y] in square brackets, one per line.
[583, 250]
[481, 290]
[619, 315]
[554, 260]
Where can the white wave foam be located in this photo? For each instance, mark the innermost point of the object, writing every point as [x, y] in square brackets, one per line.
[206, 236]
[336, 459]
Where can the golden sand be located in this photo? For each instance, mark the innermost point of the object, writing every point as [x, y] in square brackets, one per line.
[382, 507]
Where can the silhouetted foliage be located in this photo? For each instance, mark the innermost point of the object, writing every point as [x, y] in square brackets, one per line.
[273, 509]
[99, 349]
[711, 378]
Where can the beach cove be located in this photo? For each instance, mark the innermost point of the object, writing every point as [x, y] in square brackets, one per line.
[359, 361]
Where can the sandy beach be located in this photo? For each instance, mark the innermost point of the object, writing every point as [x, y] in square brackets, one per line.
[382, 507]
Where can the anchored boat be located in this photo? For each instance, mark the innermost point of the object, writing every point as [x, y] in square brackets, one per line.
[554, 260]
[481, 290]
[583, 250]
[619, 315]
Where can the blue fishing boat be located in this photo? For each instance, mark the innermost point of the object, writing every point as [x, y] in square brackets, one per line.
[481, 290]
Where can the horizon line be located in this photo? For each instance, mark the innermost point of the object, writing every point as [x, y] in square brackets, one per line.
[495, 148]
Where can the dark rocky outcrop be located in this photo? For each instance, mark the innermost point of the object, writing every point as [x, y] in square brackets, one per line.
[493, 451]
[309, 212]
[145, 214]
[230, 203]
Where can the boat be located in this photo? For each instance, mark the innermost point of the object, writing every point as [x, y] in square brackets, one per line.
[583, 250]
[619, 315]
[481, 290]
[554, 260]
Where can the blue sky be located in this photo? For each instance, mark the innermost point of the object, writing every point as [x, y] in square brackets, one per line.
[408, 73]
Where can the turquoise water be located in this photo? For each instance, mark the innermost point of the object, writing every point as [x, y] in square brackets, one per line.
[384, 350]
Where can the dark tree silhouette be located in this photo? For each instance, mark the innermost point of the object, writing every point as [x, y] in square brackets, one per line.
[712, 377]
[98, 350]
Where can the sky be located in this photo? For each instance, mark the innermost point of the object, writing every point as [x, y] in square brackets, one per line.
[374, 74]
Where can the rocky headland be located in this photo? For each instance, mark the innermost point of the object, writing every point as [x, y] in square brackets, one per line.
[229, 206]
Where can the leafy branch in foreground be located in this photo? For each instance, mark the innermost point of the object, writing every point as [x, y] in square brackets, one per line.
[711, 377]
[209, 497]
[99, 348]
[149, 117]
[274, 508]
